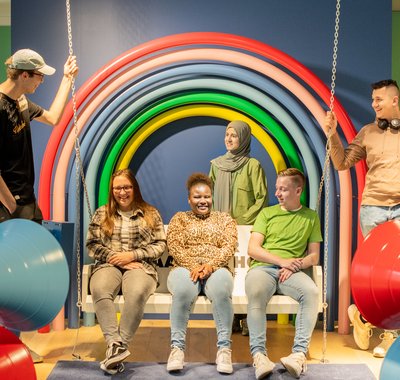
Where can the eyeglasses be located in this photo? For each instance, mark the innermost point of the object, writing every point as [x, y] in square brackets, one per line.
[39, 75]
[118, 189]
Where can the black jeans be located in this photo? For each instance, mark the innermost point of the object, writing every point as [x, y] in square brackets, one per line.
[29, 211]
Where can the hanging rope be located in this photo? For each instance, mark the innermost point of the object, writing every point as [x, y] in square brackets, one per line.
[79, 176]
[326, 177]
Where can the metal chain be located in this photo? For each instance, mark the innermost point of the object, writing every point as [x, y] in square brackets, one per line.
[79, 176]
[326, 177]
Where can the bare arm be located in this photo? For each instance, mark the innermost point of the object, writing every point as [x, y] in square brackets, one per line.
[256, 251]
[53, 115]
[312, 256]
[6, 198]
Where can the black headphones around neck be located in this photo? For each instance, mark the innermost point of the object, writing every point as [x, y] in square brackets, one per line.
[385, 124]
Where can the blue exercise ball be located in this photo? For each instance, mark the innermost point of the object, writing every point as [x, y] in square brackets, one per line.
[390, 369]
[34, 275]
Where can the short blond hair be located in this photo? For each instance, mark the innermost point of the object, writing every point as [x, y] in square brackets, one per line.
[298, 177]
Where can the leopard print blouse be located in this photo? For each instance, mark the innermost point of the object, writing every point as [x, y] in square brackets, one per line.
[194, 240]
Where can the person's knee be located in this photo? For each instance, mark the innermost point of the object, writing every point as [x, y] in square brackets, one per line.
[311, 294]
[220, 287]
[138, 297]
[222, 292]
[181, 290]
[255, 288]
[184, 295]
[100, 290]
[100, 295]
[255, 295]
[138, 288]
[315, 293]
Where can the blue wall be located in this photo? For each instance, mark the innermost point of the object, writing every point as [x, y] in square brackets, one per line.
[104, 29]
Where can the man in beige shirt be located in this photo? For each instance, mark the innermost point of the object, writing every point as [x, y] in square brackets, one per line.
[379, 144]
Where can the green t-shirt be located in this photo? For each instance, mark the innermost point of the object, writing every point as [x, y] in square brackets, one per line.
[287, 233]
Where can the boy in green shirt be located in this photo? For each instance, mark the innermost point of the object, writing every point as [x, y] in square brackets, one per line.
[285, 240]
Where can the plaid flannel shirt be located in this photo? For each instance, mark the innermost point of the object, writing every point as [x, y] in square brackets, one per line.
[147, 244]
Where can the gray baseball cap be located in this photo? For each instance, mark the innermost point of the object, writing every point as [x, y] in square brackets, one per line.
[27, 59]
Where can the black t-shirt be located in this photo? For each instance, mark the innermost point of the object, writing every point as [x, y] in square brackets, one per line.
[16, 154]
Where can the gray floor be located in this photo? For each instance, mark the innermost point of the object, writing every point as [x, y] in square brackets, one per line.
[135, 370]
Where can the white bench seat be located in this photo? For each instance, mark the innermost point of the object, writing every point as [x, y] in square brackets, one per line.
[160, 301]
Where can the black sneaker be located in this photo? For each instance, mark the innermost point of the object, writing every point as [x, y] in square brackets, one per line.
[236, 324]
[113, 371]
[116, 353]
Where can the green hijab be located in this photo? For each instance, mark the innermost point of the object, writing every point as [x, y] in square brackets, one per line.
[228, 164]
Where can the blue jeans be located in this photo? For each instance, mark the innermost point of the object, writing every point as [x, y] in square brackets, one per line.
[217, 288]
[372, 216]
[261, 284]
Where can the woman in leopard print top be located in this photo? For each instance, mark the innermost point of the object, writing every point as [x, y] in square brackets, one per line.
[201, 243]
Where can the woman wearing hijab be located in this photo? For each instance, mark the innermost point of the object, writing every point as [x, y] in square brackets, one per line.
[240, 185]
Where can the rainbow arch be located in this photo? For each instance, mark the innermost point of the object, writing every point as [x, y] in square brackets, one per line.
[139, 91]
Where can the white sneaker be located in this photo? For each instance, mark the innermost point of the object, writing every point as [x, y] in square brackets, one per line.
[361, 331]
[36, 358]
[388, 337]
[175, 360]
[224, 360]
[295, 363]
[263, 365]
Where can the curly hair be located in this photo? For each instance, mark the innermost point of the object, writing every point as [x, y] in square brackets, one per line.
[196, 178]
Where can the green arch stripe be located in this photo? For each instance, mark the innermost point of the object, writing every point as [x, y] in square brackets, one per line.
[239, 104]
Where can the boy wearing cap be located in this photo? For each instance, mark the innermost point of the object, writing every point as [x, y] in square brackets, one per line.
[25, 72]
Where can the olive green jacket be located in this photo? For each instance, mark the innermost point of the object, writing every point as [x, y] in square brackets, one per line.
[249, 191]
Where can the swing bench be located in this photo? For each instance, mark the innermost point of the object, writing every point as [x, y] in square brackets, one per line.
[160, 301]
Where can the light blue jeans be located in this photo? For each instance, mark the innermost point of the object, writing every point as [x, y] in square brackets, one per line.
[372, 216]
[217, 288]
[261, 284]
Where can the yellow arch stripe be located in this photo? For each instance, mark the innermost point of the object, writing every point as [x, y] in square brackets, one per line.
[199, 110]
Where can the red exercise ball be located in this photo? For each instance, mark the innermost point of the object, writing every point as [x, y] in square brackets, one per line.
[15, 361]
[375, 276]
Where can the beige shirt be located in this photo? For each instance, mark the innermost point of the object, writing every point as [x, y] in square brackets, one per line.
[381, 149]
